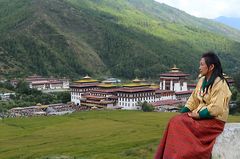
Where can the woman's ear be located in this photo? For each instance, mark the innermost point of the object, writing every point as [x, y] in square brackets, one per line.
[211, 67]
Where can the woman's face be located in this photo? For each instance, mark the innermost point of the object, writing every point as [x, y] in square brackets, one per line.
[203, 68]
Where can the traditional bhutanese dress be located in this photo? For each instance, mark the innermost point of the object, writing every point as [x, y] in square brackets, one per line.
[188, 138]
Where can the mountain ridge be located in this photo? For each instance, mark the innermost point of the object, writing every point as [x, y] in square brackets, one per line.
[230, 21]
[73, 38]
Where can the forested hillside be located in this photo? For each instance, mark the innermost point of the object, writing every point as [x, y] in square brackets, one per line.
[124, 38]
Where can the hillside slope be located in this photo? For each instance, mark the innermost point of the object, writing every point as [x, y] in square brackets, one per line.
[121, 38]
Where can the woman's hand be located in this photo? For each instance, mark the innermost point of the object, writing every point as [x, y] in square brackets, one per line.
[194, 115]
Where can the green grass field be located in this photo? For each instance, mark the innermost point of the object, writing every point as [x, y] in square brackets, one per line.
[85, 135]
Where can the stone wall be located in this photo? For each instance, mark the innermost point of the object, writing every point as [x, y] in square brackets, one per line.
[227, 145]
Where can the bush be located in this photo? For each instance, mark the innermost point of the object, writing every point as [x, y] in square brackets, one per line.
[146, 107]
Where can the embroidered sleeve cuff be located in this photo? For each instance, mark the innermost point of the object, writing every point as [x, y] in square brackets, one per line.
[204, 114]
[184, 110]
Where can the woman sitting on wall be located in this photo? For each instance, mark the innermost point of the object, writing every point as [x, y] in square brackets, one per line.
[192, 134]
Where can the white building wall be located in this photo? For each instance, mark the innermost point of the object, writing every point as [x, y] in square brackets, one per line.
[163, 85]
[167, 97]
[132, 104]
[75, 97]
[184, 87]
[171, 85]
[177, 87]
[6, 96]
[66, 84]
[55, 86]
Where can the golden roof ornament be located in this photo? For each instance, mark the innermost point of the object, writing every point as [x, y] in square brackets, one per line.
[87, 77]
[136, 80]
[175, 69]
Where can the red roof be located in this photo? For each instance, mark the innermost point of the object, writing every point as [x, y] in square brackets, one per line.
[94, 97]
[36, 79]
[164, 91]
[113, 97]
[167, 102]
[40, 83]
[106, 90]
[83, 85]
[55, 81]
[136, 89]
[184, 92]
[99, 102]
[174, 74]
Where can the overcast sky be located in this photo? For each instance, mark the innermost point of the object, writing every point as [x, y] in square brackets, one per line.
[207, 8]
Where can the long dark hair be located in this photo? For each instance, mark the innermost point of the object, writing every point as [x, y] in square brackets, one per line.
[211, 58]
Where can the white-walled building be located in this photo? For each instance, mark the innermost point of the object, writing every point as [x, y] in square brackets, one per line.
[80, 87]
[183, 95]
[173, 87]
[191, 86]
[129, 98]
[169, 105]
[6, 95]
[100, 102]
[174, 80]
[42, 83]
[165, 95]
[175, 84]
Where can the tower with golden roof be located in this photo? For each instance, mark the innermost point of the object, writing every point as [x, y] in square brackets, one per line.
[174, 80]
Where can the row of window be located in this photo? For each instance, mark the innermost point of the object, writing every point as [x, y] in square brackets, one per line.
[127, 104]
[73, 93]
[136, 95]
[132, 103]
[75, 97]
[82, 90]
[136, 99]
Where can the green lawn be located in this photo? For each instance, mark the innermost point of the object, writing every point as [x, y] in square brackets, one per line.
[85, 135]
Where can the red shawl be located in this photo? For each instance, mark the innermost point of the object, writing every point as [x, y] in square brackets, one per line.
[187, 138]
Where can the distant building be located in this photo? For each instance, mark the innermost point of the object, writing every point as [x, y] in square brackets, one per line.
[173, 88]
[42, 83]
[108, 92]
[112, 80]
[183, 95]
[191, 86]
[167, 105]
[229, 79]
[165, 95]
[98, 102]
[81, 87]
[126, 97]
[174, 80]
[129, 98]
[6, 95]
[132, 94]
[40, 110]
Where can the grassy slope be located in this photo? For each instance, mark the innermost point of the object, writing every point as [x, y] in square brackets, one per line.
[88, 135]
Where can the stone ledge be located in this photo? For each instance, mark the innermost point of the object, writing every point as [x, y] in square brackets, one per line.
[227, 145]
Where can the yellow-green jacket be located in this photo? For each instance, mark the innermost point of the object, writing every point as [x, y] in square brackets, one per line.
[216, 100]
